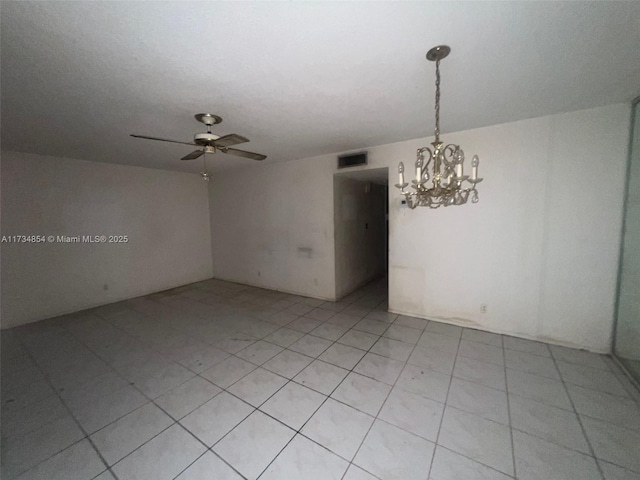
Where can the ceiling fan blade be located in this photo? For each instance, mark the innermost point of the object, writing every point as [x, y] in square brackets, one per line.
[242, 153]
[229, 140]
[193, 155]
[161, 139]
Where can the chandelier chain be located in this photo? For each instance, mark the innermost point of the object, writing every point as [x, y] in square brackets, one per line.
[437, 131]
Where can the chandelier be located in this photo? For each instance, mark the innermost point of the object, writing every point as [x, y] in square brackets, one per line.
[446, 163]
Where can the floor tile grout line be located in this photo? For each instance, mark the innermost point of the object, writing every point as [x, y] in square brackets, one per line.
[532, 400]
[474, 414]
[406, 362]
[174, 423]
[258, 408]
[299, 431]
[374, 417]
[619, 370]
[152, 400]
[262, 338]
[208, 450]
[575, 412]
[444, 408]
[628, 394]
[465, 411]
[561, 380]
[133, 384]
[506, 386]
[39, 426]
[570, 410]
[201, 316]
[288, 380]
[239, 330]
[80, 427]
[489, 467]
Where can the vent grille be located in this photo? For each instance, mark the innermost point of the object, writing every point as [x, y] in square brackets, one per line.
[352, 160]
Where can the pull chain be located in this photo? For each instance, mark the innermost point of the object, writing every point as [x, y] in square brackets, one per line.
[206, 176]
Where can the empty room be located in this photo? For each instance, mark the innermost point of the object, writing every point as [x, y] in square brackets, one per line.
[320, 240]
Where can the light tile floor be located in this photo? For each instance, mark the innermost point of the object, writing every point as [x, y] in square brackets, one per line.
[222, 381]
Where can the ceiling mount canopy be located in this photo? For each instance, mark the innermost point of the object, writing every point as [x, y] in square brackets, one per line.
[208, 119]
[438, 53]
[446, 163]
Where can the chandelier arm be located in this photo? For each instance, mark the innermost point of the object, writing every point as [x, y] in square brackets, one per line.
[426, 165]
[449, 150]
[425, 171]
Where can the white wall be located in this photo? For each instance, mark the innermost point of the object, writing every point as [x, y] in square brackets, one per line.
[272, 226]
[540, 249]
[164, 214]
[359, 229]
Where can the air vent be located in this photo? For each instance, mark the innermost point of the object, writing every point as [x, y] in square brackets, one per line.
[352, 160]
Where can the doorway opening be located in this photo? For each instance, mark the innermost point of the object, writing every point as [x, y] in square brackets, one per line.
[361, 228]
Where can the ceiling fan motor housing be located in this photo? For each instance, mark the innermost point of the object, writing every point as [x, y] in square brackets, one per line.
[205, 138]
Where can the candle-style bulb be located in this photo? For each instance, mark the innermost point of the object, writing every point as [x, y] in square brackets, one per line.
[419, 170]
[400, 175]
[475, 161]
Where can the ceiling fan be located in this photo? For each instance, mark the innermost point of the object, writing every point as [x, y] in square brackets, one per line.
[210, 143]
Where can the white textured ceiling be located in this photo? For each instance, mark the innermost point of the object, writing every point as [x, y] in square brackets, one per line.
[297, 79]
